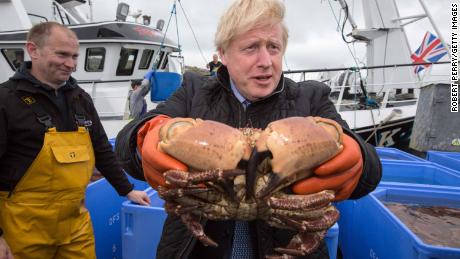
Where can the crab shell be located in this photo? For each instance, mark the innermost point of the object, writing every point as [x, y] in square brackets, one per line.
[204, 144]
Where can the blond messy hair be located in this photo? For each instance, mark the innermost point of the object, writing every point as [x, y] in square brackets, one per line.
[245, 15]
[39, 33]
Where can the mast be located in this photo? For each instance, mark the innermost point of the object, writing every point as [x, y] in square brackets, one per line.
[386, 43]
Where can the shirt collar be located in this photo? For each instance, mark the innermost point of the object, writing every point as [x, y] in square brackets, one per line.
[237, 94]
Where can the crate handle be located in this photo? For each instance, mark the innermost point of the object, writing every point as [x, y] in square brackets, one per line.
[128, 230]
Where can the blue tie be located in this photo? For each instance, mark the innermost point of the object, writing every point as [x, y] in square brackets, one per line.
[242, 246]
[246, 103]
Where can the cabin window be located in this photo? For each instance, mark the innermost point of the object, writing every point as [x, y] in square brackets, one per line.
[165, 62]
[162, 54]
[95, 58]
[15, 57]
[126, 62]
[147, 55]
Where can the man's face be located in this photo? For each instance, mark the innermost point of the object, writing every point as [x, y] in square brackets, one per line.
[215, 58]
[54, 62]
[254, 61]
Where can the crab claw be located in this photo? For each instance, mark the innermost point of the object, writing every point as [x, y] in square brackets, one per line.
[295, 145]
[251, 175]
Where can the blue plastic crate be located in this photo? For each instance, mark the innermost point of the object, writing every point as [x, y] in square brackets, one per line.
[378, 233]
[332, 241]
[104, 205]
[447, 159]
[142, 227]
[163, 84]
[386, 153]
[414, 173]
[346, 209]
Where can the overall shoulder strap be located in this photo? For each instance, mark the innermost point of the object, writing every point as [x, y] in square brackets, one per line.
[42, 116]
[80, 117]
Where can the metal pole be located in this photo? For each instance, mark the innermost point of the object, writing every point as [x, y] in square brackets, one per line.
[344, 5]
[402, 26]
[435, 27]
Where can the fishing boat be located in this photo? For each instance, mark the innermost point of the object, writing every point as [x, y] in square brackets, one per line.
[112, 53]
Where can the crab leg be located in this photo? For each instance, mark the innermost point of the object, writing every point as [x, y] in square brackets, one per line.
[329, 217]
[193, 224]
[173, 208]
[294, 215]
[217, 178]
[174, 193]
[302, 244]
[184, 179]
[303, 202]
[191, 221]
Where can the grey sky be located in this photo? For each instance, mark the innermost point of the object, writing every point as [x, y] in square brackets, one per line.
[314, 40]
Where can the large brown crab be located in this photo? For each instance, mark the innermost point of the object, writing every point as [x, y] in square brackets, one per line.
[283, 153]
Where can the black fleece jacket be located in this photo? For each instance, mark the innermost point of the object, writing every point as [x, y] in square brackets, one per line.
[212, 99]
[21, 135]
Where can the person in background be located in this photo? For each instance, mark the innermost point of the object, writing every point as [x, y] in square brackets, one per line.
[51, 138]
[139, 89]
[249, 90]
[19, 59]
[214, 65]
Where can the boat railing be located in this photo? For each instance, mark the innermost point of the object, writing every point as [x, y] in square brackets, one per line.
[362, 68]
[385, 94]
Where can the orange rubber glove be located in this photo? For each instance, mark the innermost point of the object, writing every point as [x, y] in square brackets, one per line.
[340, 174]
[155, 162]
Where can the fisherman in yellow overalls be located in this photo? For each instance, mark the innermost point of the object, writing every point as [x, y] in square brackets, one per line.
[46, 208]
[50, 140]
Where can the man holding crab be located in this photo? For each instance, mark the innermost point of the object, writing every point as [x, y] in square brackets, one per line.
[249, 91]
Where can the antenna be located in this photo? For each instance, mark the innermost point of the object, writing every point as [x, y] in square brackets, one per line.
[90, 3]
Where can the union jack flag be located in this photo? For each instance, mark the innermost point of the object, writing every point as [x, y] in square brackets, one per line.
[431, 50]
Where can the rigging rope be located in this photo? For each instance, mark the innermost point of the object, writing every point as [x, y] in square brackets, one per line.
[193, 32]
[177, 32]
[338, 23]
[354, 57]
[155, 63]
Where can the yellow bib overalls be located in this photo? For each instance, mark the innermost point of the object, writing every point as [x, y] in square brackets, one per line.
[45, 217]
